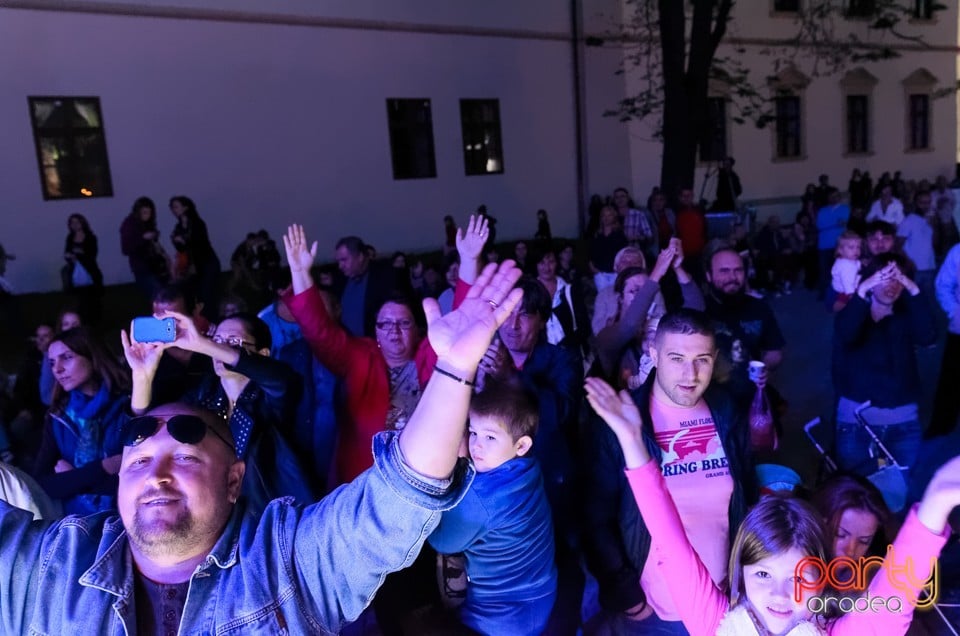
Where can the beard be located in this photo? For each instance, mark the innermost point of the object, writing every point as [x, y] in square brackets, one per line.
[163, 537]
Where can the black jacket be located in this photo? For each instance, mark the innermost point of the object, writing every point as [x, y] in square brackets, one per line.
[616, 541]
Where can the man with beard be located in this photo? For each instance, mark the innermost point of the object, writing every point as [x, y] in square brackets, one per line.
[185, 557]
[747, 328]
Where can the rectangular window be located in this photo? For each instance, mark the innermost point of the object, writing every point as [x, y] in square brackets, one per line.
[919, 122]
[786, 6]
[71, 147]
[861, 8]
[482, 144]
[858, 131]
[713, 146]
[411, 138]
[788, 126]
[923, 9]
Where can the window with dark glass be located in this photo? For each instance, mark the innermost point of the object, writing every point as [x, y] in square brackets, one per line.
[861, 8]
[482, 144]
[713, 146]
[788, 126]
[71, 148]
[858, 131]
[786, 6]
[411, 138]
[919, 122]
[923, 9]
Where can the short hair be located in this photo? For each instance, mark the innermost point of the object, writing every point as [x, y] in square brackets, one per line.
[718, 246]
[848, 235]
[630, 251]
[257, 329]
[513, 407]
[536, 298]
[775, 525]
[354, 245]
[172, 293]
[621, 282]
[685, 322]
[408, 300]
[887, 229]
[849, 492]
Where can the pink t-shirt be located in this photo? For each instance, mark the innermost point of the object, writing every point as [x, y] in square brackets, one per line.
[694, 467]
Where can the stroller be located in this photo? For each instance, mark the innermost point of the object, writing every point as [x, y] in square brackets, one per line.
[889, 477]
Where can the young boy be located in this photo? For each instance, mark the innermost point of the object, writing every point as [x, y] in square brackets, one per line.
[503, 524]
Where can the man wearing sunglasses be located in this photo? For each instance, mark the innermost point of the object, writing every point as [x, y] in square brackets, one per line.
[184, 557]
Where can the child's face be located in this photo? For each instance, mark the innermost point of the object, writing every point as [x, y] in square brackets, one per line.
[850, 250]
[491, 445]
[769, 586]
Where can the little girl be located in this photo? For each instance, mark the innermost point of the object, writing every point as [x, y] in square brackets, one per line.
[846, 269]
[773, 538]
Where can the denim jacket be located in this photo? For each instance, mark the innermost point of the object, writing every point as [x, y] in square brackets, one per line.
[294, 570]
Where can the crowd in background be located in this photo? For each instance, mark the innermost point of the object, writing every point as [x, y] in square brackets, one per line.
[565, 528]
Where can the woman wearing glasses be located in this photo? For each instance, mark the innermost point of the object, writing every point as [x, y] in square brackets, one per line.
[79, 456]
[255, 394]
[383, 378]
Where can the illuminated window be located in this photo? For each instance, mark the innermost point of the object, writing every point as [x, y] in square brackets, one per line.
[71, 148]
[411, 138]
[482, 145]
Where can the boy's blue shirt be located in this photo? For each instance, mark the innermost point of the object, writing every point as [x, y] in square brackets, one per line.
[503, 526]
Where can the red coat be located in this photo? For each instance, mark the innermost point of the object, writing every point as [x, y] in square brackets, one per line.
[359, 364]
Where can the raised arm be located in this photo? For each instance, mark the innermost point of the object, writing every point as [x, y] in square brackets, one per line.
[700, 603]
[377, 523]
[470, 243]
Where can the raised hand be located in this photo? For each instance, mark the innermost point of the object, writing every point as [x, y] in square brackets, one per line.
[620, 413]
[143, 357]
[461, 337]
[470, 242]
[299, 256]
[941, 496]
[664, 261]
[677, 246]
[880, 277]
[187, 335]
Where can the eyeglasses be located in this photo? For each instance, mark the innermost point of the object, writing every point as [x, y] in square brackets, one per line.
[390, 325]
[235, 342]
[186, 429]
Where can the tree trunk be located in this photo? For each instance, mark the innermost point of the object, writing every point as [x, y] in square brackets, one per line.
[678, 141]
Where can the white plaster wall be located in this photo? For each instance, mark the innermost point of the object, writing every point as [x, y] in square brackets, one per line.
[764, 178]
[266, 124]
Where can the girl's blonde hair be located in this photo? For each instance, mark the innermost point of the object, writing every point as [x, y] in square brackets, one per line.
[775, 525]
[843, 238]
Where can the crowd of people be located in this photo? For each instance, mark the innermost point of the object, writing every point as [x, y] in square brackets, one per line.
[540, 437]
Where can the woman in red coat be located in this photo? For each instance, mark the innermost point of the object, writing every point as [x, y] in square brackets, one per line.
[382, 378]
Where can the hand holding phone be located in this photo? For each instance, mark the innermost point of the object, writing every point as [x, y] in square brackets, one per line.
[150, 329]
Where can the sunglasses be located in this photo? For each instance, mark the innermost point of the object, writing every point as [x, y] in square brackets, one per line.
[186, 429]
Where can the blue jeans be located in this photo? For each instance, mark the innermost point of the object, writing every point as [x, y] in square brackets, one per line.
[856, 452]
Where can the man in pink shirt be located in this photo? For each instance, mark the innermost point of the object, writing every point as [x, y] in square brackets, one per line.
[700, 441]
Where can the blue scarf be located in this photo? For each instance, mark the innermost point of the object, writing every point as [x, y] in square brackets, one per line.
[86, 412]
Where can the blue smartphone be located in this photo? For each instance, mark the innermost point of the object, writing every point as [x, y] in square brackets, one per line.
[150, 329]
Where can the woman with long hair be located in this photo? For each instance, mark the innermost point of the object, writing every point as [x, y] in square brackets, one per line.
[79, 456]
[196, 263]
[81, 274]
[139, 242]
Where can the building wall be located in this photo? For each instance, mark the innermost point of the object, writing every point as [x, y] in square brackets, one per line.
[273, 120]
[767, 180]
